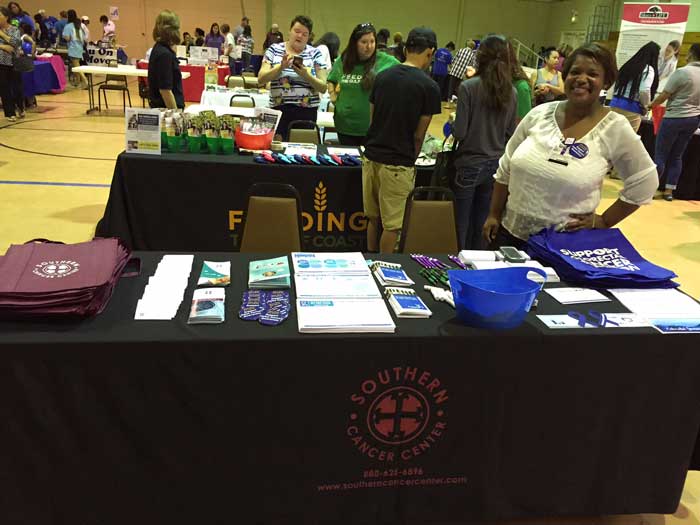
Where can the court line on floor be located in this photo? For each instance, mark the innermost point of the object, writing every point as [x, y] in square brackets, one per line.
[15, 128]
[42, 183]
[54, 154]
[15, 124]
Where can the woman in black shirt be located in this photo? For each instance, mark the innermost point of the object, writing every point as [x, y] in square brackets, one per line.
[164, 77]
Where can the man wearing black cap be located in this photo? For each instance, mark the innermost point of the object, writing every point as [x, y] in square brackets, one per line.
[403, 101]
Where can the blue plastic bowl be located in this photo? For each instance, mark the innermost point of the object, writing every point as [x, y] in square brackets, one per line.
[496, 299]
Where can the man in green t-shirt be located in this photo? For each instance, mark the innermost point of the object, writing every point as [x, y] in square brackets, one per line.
[350, 83]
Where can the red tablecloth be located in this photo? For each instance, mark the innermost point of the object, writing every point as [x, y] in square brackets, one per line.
[59, 67]
[192, 87]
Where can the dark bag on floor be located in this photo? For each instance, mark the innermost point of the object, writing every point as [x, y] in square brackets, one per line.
[444, 171]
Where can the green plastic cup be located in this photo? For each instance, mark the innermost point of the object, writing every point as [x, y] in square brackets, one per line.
[194, 144]
[174, 143]
[227, 146]
[214, 144]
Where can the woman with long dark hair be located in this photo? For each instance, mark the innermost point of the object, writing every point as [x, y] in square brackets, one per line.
[75, 35]
[681, 120]
[486, 114]
[636, 84]
[214, 39]
[350, 83]
[245, 40]
[19, 16]
[329, 46]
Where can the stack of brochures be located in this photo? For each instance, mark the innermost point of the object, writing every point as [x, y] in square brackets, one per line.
[406, 303]
[215, 274]
[269, 274]
[165, 289]
[390, 274]
[336, 294]
[208, 306]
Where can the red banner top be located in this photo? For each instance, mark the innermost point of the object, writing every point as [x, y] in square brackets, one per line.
[655, 14]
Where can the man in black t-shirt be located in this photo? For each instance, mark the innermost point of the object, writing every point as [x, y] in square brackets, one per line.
[402, 104]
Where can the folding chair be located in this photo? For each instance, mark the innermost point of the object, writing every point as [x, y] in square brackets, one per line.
[242, 101]
[304, 131]
[429, 226]
[272, 222]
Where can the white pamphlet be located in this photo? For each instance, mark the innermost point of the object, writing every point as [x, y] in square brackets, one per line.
[344, 316]
[329, 263]
[165, 289]
[564, 321]
[576, 295]
[143, 130]
[343, 151]
[658, 302]
[337, 286]
[299, 148]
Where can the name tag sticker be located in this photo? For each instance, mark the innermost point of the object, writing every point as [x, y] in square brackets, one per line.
[578, 151]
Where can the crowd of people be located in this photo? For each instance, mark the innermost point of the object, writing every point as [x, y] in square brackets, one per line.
[530, 152]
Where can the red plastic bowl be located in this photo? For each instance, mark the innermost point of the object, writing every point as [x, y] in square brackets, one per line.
[248, 141]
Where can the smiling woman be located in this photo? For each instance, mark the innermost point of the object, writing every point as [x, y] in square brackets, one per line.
[552, 171]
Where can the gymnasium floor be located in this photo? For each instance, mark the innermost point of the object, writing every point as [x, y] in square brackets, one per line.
[56, 167]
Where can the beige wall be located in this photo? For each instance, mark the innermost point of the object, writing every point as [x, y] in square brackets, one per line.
[531, 22]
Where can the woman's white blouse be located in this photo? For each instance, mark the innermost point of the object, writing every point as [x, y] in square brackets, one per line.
[544, 193]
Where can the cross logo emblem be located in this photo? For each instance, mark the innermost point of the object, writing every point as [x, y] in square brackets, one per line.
[56, 269]
[398, 415]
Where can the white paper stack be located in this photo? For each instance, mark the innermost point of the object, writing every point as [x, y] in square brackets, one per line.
[406, 303]
[337, 294]
[165, 289]
[321, 316]
[470, 256]
[576, 295]
[667, 309]
[390, 274]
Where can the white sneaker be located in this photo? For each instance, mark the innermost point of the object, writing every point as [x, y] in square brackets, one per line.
[12, 119]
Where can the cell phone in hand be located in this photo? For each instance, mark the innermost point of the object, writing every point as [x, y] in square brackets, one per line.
[298, 61]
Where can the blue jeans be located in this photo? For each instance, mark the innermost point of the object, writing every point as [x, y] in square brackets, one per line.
[473, 185]
[671, 141]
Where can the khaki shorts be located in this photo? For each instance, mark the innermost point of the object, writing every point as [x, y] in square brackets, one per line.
[385, 190]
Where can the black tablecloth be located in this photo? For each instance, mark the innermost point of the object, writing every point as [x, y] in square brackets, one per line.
[113, 421]
[688, 187]
[196, 202]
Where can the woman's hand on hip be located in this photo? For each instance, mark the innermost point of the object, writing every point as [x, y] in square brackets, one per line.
[584, 221]
[490, 229]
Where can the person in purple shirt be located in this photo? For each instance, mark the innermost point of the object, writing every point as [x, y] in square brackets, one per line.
[214, 38]
[443, 58]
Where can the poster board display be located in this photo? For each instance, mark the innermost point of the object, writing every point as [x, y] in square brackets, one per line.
[143, 130]
[644, 22]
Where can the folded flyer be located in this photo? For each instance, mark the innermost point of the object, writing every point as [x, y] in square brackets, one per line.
[215, 274]
[208, 306]
[269, 273]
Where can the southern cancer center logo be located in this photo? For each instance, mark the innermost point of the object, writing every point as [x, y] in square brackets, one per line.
[398, 415]
[56, 269]
[654, 13]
